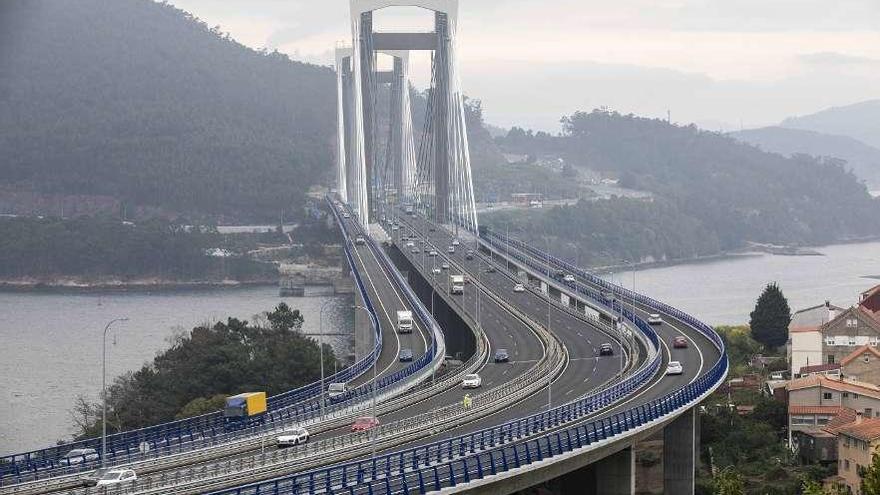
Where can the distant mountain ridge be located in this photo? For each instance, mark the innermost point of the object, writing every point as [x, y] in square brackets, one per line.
[861, 158]
[859, 120]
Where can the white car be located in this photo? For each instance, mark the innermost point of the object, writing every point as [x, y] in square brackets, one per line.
[674, 368]
[455, 242]
[444, 265]
[436, 270]
[115, 477]
[654, 319]
[568, 278]
[410, 244]
[433, 253]
[471, 381]
[336, 390]
[78, 456]
[346, 215]
[450, 249]
[295, 436]
[519, 288]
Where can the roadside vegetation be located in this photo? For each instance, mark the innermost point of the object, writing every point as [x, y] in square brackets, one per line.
[202, 366]
[94, 250]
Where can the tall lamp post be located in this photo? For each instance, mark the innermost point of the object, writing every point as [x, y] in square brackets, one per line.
[104, 391]
[321, 350]
[375, 361]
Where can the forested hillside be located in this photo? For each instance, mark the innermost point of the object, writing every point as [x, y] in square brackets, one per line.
[711, 193]
[137, 104]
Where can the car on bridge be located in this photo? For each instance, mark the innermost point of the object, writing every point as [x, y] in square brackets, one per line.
[568, 279]
[293, 437]
[345, 215]
[680, 342]
[436, 270]
[519, 288]
[674, 368]
[655, 319]
[606, 349]
[410, 244]
[406, 355]
[109, 477]
[433, 253]
[336, 391]
[469, 255]
[78, 456]
[450, 249]
[415, 250]
[444, 265]
[359, 240]
[365, 423]
[456, 242]
[502, 356]
[471, 381]
[490, 269]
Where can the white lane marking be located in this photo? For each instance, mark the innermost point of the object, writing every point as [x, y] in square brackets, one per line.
[384, 310]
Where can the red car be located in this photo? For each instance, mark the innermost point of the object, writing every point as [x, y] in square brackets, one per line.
[680, 342]
[365, 423]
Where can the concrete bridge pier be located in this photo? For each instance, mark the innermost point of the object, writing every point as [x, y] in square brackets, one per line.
[616, 474]
[680, 450]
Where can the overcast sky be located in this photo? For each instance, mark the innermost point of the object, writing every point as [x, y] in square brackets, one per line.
[720, 63]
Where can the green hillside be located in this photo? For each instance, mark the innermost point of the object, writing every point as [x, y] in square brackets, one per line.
[140, 102]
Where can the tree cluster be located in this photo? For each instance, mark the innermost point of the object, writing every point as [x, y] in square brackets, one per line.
[205, 365]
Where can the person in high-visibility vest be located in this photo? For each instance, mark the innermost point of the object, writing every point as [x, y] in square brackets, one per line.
[468, 401]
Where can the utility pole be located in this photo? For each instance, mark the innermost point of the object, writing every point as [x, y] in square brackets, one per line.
[104, 392]
[321, 350]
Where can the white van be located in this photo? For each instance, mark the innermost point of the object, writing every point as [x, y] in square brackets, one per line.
[404, 322]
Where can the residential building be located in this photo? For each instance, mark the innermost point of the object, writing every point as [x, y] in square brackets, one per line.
[854, 327]
[862, 365]
[828, 334]
[804, 339]
[855, 445]
[814, 401]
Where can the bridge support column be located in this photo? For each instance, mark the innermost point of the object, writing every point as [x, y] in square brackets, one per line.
[680, 454]
[616, 474]
[566, 301]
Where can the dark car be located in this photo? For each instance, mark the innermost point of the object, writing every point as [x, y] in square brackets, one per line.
[680, 342]
[490, 269]
[606, 350]
[469, 255]
[405, 355]
[502, 356]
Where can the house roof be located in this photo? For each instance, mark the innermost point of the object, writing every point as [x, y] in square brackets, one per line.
[812, 318]
[858, 352]
[844, 417]
[823, 410]
[823, 381]
[868, 429]
[871, 292]
[816, 368]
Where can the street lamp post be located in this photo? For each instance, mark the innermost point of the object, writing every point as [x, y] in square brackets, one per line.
[321, 350]
[104, 391]
[549, 376]
[375, 361]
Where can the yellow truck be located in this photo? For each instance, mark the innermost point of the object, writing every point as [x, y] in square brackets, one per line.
[246, 405]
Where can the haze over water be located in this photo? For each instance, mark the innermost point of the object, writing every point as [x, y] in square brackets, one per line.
[51, 350]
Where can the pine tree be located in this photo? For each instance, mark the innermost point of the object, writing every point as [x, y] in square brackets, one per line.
[769, 321]
[728, 481]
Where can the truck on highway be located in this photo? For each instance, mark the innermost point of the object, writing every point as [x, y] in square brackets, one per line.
[245, 409]
[404, 322]
[456, 284]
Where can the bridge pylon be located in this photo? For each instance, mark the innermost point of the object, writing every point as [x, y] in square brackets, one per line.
[437, 177]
